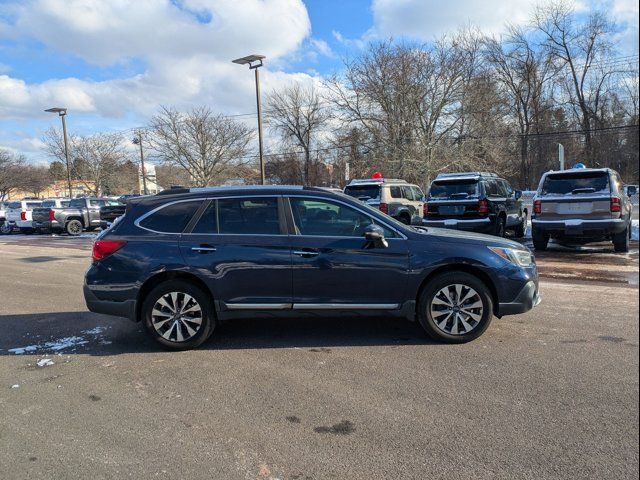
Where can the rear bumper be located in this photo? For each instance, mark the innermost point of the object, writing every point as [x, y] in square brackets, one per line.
[476, 225]
[578, 227]
[524, 301]
[125, 309]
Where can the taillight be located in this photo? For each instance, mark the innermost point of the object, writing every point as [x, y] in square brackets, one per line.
[425, 210]
[384, 208]
[537, 207]
[23, 216]
[483, 207]
[616, 206]
[52, 215]
[103, 248]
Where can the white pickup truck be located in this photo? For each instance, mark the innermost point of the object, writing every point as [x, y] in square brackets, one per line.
[19, 215]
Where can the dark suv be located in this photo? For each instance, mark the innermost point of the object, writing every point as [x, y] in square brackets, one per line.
[183, 261]
[475, 201]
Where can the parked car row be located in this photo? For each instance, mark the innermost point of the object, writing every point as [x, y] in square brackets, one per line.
[577, 206]
[56, 215]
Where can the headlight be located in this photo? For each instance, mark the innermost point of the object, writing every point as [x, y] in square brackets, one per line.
[522, 258]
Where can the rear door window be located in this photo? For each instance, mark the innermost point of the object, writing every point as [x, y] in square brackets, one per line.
[172, 218]
[396, 192]
[32, 205]
[576, 184]
[248, 216]
[77, 203]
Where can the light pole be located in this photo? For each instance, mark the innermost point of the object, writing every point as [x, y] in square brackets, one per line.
[62, 112]
[255, 62]
[138, 141]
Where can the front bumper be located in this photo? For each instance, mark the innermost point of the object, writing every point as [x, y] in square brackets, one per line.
[528, 298]
[579, 227]
[125, 309]
[475, 225]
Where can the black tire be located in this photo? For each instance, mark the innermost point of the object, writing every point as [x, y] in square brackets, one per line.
[500, 226]
[433, 289]
[171, 342]
[5, 229]
[404, 218]
[540, 240]
[621, 241]
[521, 229]
[73, 227]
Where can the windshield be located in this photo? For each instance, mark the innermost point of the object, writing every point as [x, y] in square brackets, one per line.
[363, 192]
[14, 205]
[458, 188]
[573, 184]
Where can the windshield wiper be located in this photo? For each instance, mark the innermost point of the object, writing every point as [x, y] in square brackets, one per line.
[459, 195]
[583, 190]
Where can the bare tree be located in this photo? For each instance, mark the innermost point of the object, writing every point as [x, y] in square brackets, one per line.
[95, 159]
[582, 50]
[209, 147]
[34, 179]
[297, 114]
[11, 175]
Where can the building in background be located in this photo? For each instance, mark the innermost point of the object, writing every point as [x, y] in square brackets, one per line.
[57, 189]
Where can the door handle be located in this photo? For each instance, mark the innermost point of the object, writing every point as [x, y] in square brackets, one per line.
[306, 253]
[204, 249]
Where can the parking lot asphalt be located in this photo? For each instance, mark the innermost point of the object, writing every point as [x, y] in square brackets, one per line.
[549, 394]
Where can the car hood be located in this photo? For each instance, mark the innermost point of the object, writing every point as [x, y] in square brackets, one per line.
[447, 235]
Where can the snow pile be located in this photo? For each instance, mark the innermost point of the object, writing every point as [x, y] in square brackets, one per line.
[45, 362]
[634, 230]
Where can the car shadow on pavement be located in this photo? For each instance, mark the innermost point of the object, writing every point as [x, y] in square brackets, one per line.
[92, 334]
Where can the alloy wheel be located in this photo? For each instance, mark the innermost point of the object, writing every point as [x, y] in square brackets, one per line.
[457, 309]
[176, 316]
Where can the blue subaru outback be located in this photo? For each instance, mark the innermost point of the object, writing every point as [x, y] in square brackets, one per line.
[183, 261]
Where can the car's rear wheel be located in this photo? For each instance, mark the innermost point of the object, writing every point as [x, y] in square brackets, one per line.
[5, 229]
[73, 227]
[405, 218]
[455, 307]
[178, 315]
[521, 229]
[540, 240]
[621, 241]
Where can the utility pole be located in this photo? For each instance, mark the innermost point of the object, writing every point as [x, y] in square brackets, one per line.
[561, 155]
[62, 112]
[138, 141]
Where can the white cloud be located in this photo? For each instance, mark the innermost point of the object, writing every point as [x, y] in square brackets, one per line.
[428, 19]
[186, 52]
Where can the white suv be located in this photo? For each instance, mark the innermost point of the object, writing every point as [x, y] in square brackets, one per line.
[402, 200]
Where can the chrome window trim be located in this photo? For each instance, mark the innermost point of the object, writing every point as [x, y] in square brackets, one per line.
[404, 237]
[151, 212]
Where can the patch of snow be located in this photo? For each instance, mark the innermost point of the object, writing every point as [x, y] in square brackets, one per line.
[95, 331]
[54, 345]
[45, 362]
[635, 235]
[15, 386]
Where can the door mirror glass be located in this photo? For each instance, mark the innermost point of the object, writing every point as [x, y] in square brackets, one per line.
[631, 190]
[517, 194]
[375, 235]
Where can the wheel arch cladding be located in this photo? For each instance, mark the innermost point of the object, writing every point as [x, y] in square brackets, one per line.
[469, 269]
[155, 280]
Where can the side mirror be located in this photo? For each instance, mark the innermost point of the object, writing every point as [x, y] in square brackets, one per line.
[416, 220]
[517, 194]
[631, 190]
[374, 234]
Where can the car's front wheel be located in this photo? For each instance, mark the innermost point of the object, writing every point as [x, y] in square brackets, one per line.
[178, 315]
[455, 307]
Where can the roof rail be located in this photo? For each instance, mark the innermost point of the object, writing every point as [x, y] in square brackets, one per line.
[376, 180]
[467, 174]
[174, 190]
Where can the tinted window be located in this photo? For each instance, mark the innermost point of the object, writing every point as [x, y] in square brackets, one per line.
[14, 205]
[208, 222]
[248, 216]
[32, 205]
[324, 218]
[171, 219]
[65, 203]
[396, 192]
[572, 184]
[458, 188]
[502, 188]
[77, 203]
[363, 192]
[417, 194]
[507, 188]
[491, 188]
[48, 203]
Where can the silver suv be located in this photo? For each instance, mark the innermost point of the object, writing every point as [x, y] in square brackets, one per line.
[402, 200]
[581, 206]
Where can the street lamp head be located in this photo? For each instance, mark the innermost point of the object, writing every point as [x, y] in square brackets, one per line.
[58, 110]
[250, 60]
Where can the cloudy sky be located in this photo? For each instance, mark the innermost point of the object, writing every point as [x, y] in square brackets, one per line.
[113, 62]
